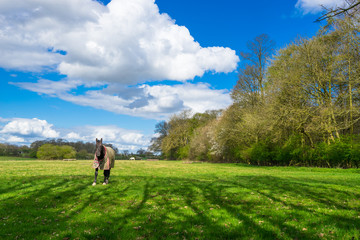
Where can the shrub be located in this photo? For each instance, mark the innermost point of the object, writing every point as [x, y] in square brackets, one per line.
[291, 153]
[338, 153]
[183, 152]
[67, 152]
[49, 151]
[261, 153]
[354, 156]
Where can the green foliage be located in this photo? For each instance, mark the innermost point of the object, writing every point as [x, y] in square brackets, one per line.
[14, 150]
[261, 153]
[83, 154]
[48, 151]
[294, 109]
[183, 152]
[51, 152]
[67, 152]
[342, 153]
[290, 152]
[338, 153]
[181, 131]
[355, 156]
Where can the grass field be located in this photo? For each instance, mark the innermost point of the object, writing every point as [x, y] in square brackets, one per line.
[174, 200]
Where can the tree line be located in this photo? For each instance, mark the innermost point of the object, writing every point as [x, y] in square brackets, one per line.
[62, 149]
[299, 105]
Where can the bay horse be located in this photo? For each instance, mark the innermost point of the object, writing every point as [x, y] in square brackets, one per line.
[104, 159]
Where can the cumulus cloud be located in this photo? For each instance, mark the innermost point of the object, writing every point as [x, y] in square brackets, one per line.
[73, 136]
[26, 131]
[117, 135]
[15, 139]
[314, 6]
[127, 41]
[123, 139]
[154, 102]
[30, 30]
[19, 128]
[197, 97]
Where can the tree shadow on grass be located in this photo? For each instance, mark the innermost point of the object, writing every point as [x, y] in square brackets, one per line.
[301, 201]
[44, 207]
[190, 217]
[173, 208]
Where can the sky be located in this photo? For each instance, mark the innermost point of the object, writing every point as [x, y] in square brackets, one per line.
[84, 69]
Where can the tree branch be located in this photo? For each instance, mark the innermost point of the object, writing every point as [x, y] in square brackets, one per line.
[338, 11]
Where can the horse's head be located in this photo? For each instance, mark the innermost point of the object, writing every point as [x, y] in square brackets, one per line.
[99, 147]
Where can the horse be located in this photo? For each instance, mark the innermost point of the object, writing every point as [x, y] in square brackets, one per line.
[104, 159]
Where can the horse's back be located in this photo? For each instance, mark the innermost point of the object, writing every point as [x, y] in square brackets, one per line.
[111, 156]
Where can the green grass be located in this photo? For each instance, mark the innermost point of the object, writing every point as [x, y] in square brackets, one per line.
[173, 200]
[4, 158]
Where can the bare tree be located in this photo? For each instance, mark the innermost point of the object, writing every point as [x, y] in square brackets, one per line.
[350, 8]
[250, 88]
[161, 129]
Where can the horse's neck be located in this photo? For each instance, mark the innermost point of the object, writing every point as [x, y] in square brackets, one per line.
[102, 152]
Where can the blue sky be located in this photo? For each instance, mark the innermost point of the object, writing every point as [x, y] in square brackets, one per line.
[81, 69]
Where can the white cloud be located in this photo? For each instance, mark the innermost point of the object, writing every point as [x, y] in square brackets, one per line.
[3, 119]
[123, 139]
[154, 102]
[15, 139]
[117, 135]
[19, 128]
[197, 97]
[73, 136]
[26, 131]
[48, 87]
[30, 31]
[127, 41]
[314, 6]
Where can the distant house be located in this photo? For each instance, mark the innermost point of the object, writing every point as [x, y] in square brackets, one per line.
[132, 158]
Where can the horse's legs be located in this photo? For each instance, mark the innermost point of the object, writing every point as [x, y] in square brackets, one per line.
[106, 176]
[96, 174]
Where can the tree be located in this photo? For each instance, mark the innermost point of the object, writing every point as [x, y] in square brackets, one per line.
[83, 154]
[203, 143]
[161, 130]
[175, 144]
[246, 121]
[350, 9]
[14, 150]
[180, 130]
[67, 152]
[346, 36]
[51, 152]
[296, 109]
[250, 88]
[141, 152]
[315, 84]
[48, 151]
